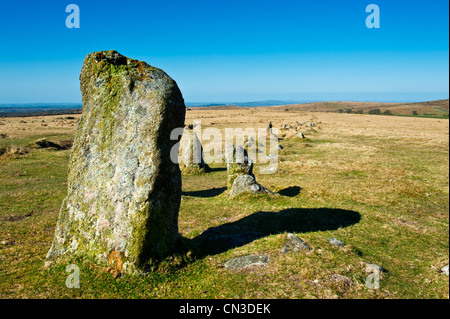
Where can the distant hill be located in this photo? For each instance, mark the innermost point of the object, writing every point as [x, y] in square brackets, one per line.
[37, 109]
[443, 104]
[439, 108]
[245, 104]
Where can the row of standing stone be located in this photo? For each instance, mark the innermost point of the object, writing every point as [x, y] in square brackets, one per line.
[124, 191]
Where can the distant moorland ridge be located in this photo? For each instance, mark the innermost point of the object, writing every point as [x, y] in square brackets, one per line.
[438, 108]
[38, 109]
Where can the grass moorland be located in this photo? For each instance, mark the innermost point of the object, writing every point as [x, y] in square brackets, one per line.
[434, 109]
[377, 183]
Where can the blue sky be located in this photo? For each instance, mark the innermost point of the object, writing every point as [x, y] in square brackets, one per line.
[233, 50]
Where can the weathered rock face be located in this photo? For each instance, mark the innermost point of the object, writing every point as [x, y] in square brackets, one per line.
[124, 191]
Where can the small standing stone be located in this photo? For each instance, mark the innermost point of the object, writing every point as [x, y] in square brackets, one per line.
[238, 163]
[240, 173]
[193, 154]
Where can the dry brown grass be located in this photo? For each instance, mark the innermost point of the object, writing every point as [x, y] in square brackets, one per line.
[22, 127]
[414, 130]
[422, 108]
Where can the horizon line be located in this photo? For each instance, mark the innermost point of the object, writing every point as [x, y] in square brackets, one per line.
[230, 103]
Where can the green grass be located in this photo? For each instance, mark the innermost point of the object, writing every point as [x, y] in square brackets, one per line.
[389, 208]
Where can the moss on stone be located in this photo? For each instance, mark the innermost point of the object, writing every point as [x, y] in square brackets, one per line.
[123, 190]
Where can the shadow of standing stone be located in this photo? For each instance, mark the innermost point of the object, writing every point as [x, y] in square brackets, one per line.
[260, 224]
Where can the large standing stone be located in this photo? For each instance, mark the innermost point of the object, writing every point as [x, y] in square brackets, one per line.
[124, 191]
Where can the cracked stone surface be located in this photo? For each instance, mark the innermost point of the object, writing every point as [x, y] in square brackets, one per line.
[124, 191]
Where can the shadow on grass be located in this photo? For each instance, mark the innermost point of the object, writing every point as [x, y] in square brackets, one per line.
[217, 169]
[290, 191]
[206, 193]
[261, 224]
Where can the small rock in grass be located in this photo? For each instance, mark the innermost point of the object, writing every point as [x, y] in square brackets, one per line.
[246, 261]
[373, 268]
[336, 242]
[294, 243]
[340, 279]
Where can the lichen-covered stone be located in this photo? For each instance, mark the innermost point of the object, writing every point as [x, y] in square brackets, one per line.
[124, 191]
[240, 173]
[238, 163]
